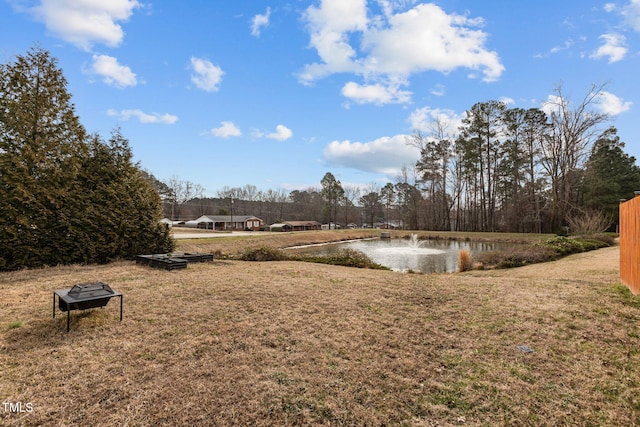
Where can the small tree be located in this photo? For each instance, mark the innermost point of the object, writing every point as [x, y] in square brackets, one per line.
[332, 192]
[371, 206]
[388, 196]
[588, 222]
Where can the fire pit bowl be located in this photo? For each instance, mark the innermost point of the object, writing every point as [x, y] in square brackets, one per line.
[83, 297]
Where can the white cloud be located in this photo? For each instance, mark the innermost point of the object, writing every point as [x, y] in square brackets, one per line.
[282, 133]
[507, 100]
[609, 7]
[614, 48]
[396, 45]
[260, 21]
[167, 119]
[606, 103]
[426, 38]
[609, 103]
[438, 90]
[631, 14]
[385, 155]
[111, 72]
[329, 26]
[553, 104]
[226, 130]
[424, 118]
[390, 6]
[567, 44]
[376, 94]
[206, 76]
[86, 22]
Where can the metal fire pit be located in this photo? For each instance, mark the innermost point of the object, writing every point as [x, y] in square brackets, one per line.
[83, 297]
[173, 261]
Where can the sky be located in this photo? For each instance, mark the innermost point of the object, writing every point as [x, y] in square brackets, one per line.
[275, 94]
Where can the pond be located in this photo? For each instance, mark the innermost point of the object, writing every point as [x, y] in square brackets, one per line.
[426, 256]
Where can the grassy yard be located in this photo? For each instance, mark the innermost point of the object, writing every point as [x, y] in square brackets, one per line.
[295, 343]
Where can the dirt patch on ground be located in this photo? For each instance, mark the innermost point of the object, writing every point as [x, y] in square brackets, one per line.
[293, 343]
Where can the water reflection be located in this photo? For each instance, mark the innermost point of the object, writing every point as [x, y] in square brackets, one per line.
[427, 256]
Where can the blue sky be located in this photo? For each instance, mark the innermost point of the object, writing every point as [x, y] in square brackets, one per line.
[277, 93]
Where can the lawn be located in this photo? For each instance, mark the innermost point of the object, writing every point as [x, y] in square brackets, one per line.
[296, 343]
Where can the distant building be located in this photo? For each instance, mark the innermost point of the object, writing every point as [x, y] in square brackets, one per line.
[295, 226]
[226, 222]
[391, 225]
[171, 223]
[331, 226]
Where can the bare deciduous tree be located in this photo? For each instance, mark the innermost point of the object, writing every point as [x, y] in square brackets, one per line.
[573, 129]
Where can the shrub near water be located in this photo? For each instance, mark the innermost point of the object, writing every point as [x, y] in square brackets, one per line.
[567, 245]
[552, 249]
[353, 258]
[264, 253]
[465, 261]
[517, 256]
[345, 258]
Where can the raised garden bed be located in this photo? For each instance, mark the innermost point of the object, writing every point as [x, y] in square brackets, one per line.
[173, 261]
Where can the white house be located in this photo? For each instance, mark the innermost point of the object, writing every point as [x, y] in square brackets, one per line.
[226, 222]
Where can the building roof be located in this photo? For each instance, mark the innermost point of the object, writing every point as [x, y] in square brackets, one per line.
[225, 218]
[299, 223]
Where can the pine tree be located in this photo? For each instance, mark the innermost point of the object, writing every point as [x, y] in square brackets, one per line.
[66, 198]
[122, 209]
[332, 192]
[610, 175]
[40, 137]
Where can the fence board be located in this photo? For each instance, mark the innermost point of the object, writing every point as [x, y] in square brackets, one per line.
[630, 244]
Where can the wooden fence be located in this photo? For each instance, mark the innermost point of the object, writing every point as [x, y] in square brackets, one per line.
[630, 244]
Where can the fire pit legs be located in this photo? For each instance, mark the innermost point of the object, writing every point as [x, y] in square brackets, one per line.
[82, 297]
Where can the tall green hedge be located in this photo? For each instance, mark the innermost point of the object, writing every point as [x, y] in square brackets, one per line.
[65, 196]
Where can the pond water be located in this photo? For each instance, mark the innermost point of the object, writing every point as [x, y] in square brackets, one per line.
[427, 256]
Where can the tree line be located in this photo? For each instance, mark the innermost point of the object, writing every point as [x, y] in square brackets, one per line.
[503, 169]
[66, 196]
[535, 170]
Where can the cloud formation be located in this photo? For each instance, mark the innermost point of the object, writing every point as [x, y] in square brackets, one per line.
[386, 155]
[614, 48]
[85, 23]
[423, 119]
[111, 72]
[226, 130]
[282, 133]
[611, 104]
[260, 21]
[146, 118]
[375, 94]
[206, 76]
[393, 46]
[605, 102]
[631, 14]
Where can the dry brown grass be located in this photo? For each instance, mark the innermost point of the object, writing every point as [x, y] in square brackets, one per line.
[293, 343]
[465, 261]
